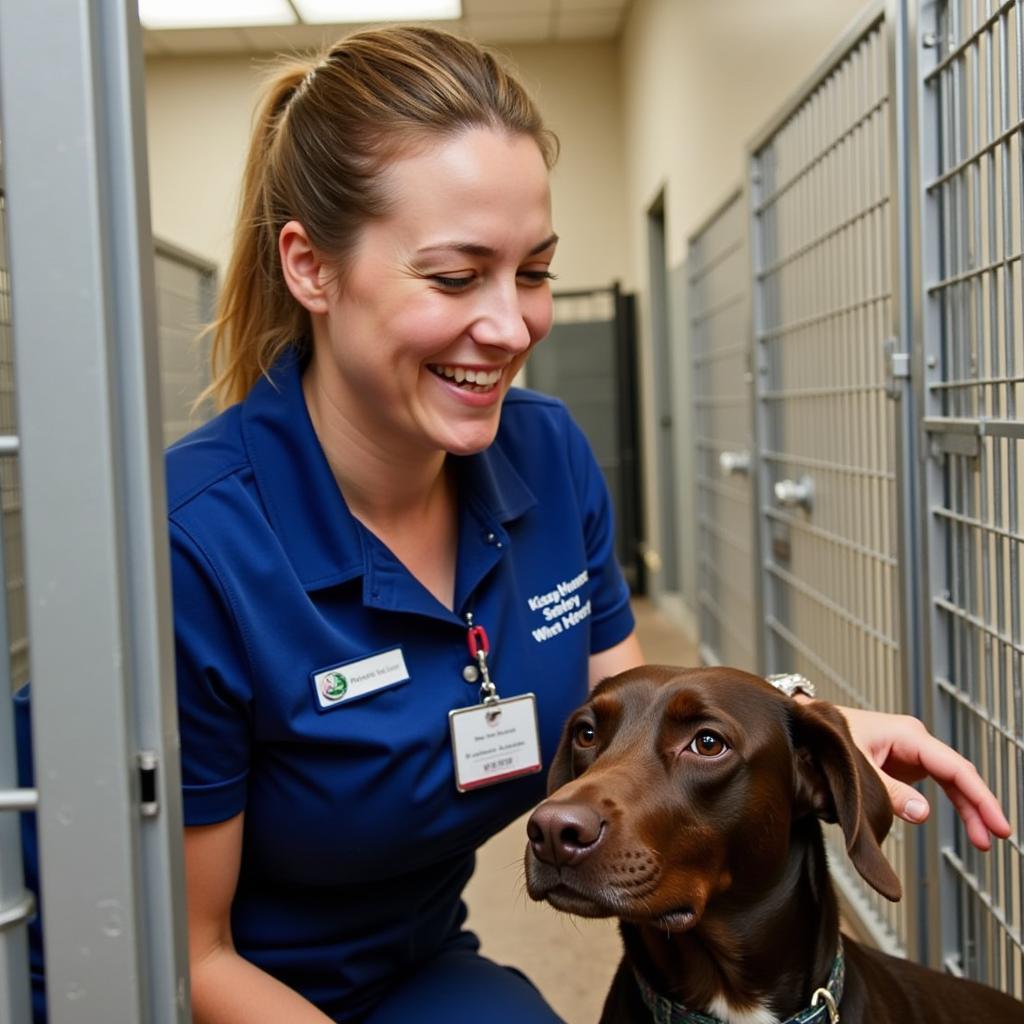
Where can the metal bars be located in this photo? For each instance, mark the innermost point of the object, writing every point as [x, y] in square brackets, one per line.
[887, 234]
[95, 528]
[824, 283]
[971, 386]
[718, 270]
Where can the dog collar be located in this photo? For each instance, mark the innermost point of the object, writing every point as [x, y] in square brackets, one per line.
[824, 1008]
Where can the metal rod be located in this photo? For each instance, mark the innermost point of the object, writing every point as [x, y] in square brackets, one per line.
[19, 799]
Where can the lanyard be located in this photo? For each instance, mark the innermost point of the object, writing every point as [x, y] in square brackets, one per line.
[479, 647]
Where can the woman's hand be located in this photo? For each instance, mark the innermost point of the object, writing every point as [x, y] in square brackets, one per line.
[904, 751]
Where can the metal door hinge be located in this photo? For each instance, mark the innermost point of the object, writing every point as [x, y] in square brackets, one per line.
[149, 806]
[897, 367]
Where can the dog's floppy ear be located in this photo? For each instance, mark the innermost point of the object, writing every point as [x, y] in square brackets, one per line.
[560, 771]
[835, 781]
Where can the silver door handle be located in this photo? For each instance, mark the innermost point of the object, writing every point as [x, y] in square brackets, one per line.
[795, 492]
[734, 463]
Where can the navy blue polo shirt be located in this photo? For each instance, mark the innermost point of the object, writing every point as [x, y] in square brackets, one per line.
[357, 844]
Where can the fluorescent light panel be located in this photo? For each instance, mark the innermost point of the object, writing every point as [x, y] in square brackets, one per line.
[214, 13]
[344, 11]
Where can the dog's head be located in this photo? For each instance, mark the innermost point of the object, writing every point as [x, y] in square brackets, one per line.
[672, 786]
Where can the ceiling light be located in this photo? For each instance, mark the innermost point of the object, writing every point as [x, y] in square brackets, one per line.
[214, 13]
[344, 11]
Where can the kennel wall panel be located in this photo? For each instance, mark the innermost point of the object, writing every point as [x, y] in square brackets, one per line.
[718, 267]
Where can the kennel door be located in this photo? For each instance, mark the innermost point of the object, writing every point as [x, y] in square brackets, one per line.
[823, 218]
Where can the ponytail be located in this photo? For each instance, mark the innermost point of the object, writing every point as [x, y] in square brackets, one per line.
[257, 317]
[321, 139]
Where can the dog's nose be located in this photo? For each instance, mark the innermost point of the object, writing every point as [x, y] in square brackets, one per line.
[563, 833]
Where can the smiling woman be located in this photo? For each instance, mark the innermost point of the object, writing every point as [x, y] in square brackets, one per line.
[413, 355]
[374, 496]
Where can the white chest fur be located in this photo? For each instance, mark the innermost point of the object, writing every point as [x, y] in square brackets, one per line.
[721, 1009]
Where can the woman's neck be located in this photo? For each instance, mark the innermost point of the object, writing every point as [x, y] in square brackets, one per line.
[382, 486]
[407, 500]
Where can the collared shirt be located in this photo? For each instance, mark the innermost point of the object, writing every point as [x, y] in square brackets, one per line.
[357, 844]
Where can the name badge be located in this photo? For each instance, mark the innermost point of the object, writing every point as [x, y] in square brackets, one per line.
[353, 679]
[495, 742]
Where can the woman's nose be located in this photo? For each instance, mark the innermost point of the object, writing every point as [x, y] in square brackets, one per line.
[501, 320]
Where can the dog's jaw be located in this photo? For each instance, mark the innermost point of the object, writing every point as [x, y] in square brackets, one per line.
[738, 972]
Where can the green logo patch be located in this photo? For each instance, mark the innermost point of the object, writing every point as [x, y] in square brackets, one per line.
[335, 686]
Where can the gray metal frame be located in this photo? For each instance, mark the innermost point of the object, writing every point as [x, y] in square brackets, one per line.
[834, 514]
[968, 154]
[104, 720]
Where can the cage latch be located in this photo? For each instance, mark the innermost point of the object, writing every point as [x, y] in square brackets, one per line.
[149, 806]
[897, 367]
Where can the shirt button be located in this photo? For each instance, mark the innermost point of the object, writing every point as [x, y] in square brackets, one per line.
[471, 673]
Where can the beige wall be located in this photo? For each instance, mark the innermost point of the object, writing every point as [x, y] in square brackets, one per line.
[198, 112]
[699, 79]
[578, 88]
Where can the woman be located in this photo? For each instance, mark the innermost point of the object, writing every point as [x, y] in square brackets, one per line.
[370, 498]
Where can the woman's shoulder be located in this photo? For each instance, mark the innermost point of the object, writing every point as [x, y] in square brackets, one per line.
[204, 456]
[532, 422]
[525, 412]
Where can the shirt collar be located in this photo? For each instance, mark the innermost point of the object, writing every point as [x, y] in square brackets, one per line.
[322, 539]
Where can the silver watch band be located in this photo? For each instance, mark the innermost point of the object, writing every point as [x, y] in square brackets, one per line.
[792, 683]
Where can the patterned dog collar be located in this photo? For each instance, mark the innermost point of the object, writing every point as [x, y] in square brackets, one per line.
[824, 1008]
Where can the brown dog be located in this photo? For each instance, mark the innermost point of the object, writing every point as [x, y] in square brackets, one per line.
[686, 803]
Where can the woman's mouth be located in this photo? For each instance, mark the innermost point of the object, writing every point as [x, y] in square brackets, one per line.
[478, 381]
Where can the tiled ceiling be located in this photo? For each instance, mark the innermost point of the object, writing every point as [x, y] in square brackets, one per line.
[488, 21]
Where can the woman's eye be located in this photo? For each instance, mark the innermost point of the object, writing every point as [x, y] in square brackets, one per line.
[454, 283]
[536, 276]
[708, 744]
[583, 734]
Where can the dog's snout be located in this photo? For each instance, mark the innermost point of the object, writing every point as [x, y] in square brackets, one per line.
[563, 833]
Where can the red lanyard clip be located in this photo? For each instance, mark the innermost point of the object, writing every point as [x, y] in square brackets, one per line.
[476, 641]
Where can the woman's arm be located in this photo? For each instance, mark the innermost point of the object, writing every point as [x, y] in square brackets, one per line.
[625, 654]
[227, 989]
[899, 746]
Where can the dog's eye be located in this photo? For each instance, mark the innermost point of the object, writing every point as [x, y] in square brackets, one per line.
[583, 734]
[708, 743]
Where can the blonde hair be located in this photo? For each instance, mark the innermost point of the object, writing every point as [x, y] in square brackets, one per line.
[321, 138]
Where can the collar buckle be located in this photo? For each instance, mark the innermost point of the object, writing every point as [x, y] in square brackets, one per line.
[822, 995]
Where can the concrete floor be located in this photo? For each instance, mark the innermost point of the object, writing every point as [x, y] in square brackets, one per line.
[571, 960]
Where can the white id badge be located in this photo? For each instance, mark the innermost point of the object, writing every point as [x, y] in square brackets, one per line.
[495, 742]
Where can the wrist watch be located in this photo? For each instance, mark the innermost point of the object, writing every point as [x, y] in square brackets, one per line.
[792, 683]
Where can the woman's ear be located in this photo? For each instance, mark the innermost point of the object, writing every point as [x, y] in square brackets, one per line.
[304, 271]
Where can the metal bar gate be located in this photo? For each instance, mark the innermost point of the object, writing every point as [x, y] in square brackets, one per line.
[104, 723]
[824, 298]
[970, 375]
[884, 216]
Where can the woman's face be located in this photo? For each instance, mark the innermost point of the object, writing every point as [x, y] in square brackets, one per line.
[443, 297]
